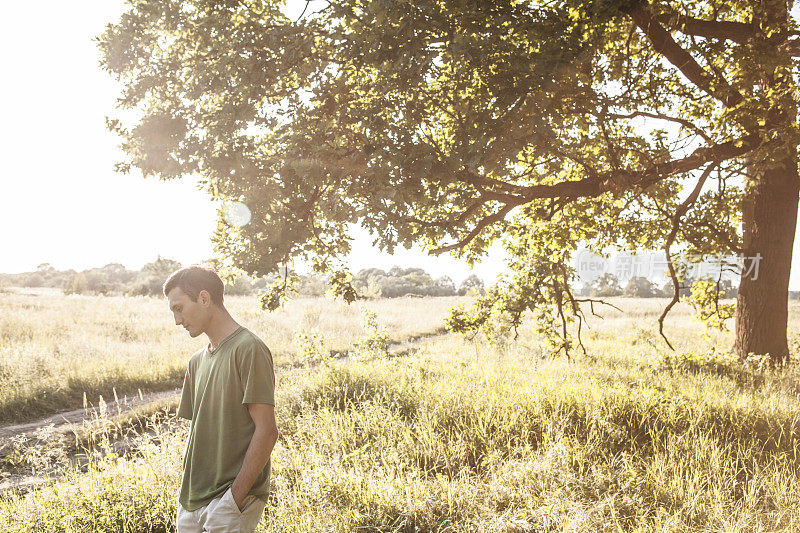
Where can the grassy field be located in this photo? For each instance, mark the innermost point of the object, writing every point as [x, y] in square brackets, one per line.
[460, 435]
[56, 348]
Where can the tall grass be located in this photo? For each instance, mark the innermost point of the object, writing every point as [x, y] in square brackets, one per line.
[461, 436]
[56, 348]
[475, 437]
[494, 445]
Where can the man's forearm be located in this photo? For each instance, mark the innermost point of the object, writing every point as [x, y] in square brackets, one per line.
[255, 459]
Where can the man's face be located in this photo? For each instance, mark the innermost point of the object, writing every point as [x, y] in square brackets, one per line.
[193, 316]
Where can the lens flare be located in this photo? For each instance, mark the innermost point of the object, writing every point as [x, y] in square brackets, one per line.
[237, 214]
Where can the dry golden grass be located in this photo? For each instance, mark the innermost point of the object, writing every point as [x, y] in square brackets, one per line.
[475, 436]
[56, 348]
[465, 436]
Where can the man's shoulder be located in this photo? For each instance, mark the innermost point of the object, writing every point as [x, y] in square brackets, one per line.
[249, 339]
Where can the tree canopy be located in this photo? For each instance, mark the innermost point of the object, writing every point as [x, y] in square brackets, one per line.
[455, 123]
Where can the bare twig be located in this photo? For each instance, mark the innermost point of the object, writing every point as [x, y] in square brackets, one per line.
[679, 212]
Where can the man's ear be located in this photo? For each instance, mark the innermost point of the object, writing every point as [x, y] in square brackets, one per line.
[204, 298]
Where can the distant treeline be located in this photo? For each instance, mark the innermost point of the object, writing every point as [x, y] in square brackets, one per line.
[374, 282]
[641, 287]
[115, 279]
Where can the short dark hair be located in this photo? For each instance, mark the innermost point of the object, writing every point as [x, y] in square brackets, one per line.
[193, 279]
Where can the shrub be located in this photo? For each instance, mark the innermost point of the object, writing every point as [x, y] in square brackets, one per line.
[375, 341]
[310, 345]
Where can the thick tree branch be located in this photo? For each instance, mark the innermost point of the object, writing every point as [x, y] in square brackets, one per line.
[665, 45]
[617, 181]
[739, 32]
[613, 181]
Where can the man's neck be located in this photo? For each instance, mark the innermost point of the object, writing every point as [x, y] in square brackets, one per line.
[219, 331]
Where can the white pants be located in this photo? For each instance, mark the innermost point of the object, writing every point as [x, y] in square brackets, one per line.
[222, 515]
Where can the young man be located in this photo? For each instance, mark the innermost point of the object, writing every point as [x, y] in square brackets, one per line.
[229, 396]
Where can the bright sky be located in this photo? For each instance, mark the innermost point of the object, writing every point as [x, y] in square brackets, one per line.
[62, 202]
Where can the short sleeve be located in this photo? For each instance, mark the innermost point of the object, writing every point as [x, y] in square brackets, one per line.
[257, 375]
[186, 405]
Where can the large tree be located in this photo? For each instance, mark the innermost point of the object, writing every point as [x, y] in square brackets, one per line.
[453, 123]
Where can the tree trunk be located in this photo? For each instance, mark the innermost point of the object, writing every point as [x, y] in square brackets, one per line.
[769, 220]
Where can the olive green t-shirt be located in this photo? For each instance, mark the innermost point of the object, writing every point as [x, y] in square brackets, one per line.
[217, 386]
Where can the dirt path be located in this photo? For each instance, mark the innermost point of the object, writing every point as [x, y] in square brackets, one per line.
[78, 416]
